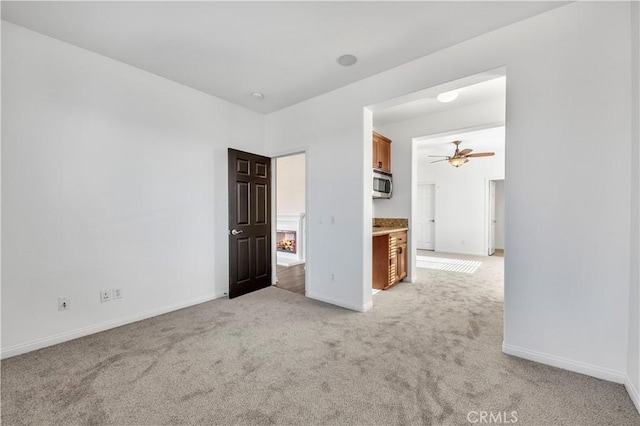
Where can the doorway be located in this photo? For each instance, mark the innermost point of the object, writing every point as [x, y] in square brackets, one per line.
[290, 232]
[462, 192]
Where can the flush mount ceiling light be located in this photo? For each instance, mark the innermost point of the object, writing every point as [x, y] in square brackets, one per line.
[347, 60]
[257, 95]
[446, 97]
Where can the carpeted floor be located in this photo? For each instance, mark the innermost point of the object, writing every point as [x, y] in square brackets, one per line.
[427, 353]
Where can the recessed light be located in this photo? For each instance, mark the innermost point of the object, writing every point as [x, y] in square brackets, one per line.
[257, 95]
[448, 96]
[347, 60]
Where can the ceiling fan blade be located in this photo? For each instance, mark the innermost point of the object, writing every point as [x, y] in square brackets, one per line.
[481, 154]
[437, 161]
[465, 151]
[439, 156]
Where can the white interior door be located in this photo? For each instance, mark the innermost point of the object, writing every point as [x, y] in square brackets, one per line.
[492, 217]
[426, 220]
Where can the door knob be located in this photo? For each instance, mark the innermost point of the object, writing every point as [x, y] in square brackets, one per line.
[236, 232]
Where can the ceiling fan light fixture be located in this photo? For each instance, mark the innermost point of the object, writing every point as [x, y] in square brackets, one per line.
[457, 161]
[446, 97]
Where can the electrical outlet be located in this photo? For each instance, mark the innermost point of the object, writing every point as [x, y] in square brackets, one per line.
[333, 277]
[63, 303]
[117, 293]
[105, 295]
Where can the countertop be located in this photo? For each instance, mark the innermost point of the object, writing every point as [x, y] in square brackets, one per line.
[384, 230]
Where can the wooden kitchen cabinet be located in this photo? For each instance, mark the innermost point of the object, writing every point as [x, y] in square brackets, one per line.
[389, 259]
[381, 153]
[401, 255]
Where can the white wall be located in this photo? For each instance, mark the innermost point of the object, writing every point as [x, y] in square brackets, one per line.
[633, 358]
[461, 201]
[568, 96]
[290, 180]
[499, 217]
[111, 177]
[335, 189]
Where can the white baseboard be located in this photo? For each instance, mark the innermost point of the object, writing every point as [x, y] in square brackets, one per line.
[341, 303]
[566, 364]
[92, 329]
[633, 393]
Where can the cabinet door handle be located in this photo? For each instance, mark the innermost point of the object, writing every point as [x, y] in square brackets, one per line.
[399, 250]
[379, 164]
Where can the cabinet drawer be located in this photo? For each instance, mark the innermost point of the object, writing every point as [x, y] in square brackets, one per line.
[401, 237]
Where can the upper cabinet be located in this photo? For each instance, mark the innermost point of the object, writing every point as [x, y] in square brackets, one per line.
[381, 153]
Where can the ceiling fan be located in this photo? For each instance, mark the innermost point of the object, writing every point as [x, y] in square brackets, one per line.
[460, 157]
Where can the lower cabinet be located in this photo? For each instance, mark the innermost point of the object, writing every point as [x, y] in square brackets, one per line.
[389, 259]
[401, 270]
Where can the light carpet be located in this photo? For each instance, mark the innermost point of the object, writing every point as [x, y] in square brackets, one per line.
[428, 353]
[448, 264]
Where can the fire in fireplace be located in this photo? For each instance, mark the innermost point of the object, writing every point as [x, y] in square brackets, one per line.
[286, 241]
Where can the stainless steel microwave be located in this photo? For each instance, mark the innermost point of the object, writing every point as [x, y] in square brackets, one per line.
[382, 184]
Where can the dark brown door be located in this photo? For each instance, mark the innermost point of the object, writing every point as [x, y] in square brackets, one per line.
[249, 222]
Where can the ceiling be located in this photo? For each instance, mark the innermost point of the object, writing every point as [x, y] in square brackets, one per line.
[285, 50]
[471, 90]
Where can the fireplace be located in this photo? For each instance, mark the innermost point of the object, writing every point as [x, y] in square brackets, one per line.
[286, 241]
[290, 239]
